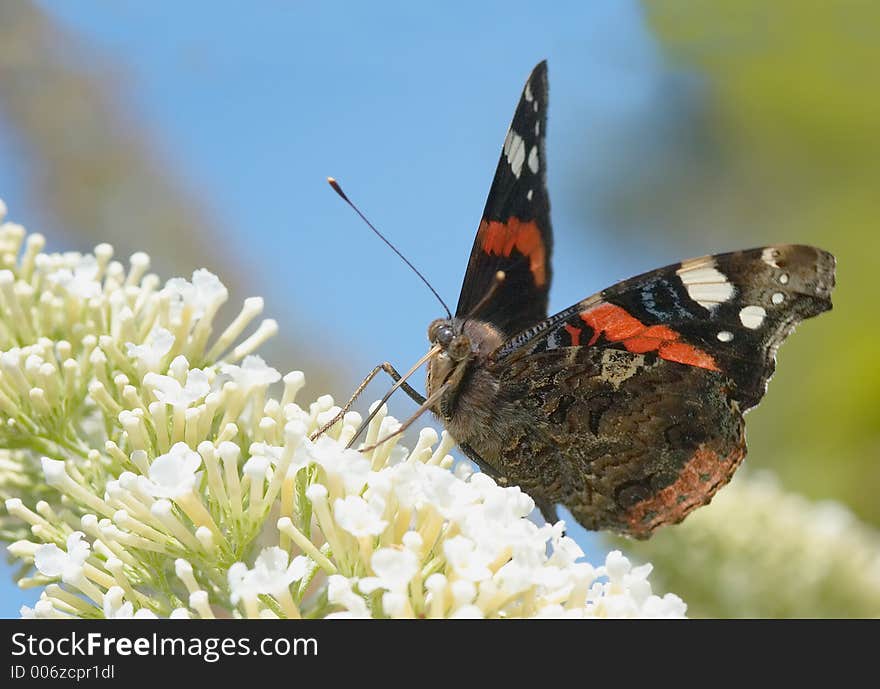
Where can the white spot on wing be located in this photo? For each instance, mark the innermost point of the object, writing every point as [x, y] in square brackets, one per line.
[769, 256]
[555, 340]
[535, 106]
[725, 336]
[529, 194]
[533, 160]
[538, 128]
[752, 316]
[777, 298]
[528, 92]
[705, 284]
[783, 279]
[515, 152]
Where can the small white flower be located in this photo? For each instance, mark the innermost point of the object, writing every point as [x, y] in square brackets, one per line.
[464, 558]
[394, 567]
[253, 373]
[80, 282]
[115, 606]
[168, 390]
[355, 515]
[351, 466]
[468, 612]
[638, 585]
[502, 504]
[51, 561]
[54, 471]
[173, 474]
[263, 456]
[394, 603]
[412, 540]
[616, 566]
[150, 354]
[627, 592]
[516, 576]
[553, 611]
[410, 483]
[239, 587]
[274, 571]
[42, 610]
[565, 550]
[316, 493]
[272, 574]
[340, 592]
[670, 606]
[257, 466]
[203, 294]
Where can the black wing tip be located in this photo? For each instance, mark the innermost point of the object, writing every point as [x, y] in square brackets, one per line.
[816, 268]
[538, 74]
[820, 265]
[534, 94]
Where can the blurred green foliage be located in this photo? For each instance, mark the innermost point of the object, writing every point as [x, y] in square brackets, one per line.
[778, 141]
[761, 551]
[783, 110]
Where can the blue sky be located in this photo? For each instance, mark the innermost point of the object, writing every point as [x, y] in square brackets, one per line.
[407, 106]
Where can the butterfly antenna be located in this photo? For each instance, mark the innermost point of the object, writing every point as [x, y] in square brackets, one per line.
[366, 422]
[496, 283]
[338, 190]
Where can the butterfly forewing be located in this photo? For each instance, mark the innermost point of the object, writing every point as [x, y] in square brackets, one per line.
[514, 235]
[726, 313]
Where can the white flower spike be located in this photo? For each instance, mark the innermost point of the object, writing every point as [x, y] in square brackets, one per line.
[149, 470]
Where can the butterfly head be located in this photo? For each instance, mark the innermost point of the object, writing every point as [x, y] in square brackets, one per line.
[461, 342]
[454, 343]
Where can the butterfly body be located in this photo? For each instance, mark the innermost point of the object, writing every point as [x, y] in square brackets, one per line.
[628, 406]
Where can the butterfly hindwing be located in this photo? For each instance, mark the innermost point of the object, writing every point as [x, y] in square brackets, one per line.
[627, 442]
[514, 235]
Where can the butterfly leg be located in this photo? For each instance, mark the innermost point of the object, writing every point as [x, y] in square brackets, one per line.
[391, 371]
[419, 399]
[548, 511]
[485, 467]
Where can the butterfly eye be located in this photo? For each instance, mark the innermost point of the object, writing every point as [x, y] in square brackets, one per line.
[441, 332]
[459, 348]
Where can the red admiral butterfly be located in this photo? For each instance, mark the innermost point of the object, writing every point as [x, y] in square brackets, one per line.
[626, 407]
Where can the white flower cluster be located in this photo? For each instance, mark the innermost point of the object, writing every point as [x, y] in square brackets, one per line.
[148, 472]
[761, 551]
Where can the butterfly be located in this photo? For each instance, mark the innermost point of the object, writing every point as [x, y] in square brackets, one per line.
[627, 407]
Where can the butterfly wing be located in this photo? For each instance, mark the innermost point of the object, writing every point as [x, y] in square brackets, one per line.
[514, 235]
[638, 393]
[726, 313]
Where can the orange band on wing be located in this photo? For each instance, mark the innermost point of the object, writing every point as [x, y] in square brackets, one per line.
[684, 353]
[575, 334]
[500, 239]
[698, 480]
[619, 326]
